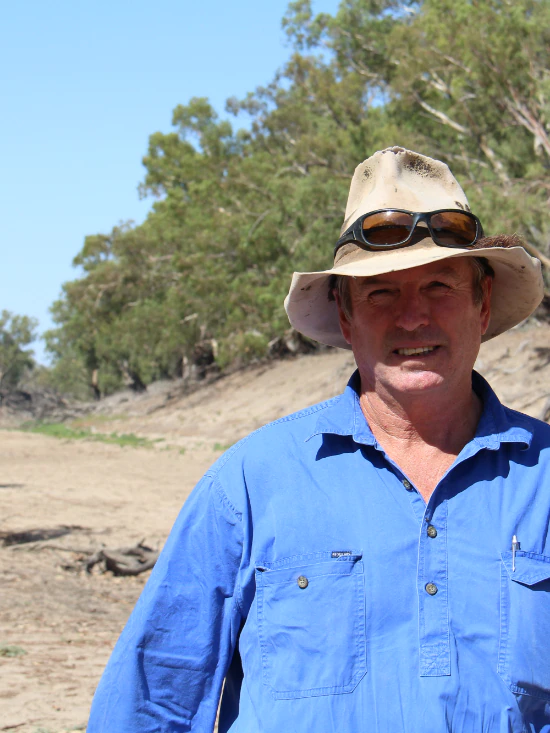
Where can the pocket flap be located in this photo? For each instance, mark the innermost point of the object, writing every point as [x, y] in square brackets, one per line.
[530, 568]
[289, 571]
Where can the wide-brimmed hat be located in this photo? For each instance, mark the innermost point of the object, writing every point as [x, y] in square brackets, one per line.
[398, 178]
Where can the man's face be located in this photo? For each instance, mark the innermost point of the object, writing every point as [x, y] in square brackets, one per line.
[416, 330]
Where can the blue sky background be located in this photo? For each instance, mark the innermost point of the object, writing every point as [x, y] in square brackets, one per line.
[83, 85]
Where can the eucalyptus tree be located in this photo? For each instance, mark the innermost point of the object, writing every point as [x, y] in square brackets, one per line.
[237, 210]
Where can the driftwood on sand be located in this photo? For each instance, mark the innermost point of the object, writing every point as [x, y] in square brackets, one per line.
[124, 560]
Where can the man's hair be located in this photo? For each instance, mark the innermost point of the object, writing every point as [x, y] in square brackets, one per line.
[481, 270]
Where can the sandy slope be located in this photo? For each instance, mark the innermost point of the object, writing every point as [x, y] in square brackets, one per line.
[67, 622]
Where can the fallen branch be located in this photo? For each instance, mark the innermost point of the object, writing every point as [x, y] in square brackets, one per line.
[38, 535]
[123, 561]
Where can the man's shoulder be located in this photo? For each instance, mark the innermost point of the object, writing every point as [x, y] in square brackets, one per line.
[301, 419]
[277, 437]
[291, 426]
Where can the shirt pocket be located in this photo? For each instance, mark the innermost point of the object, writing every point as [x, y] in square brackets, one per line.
[311, 623]
[524, 662]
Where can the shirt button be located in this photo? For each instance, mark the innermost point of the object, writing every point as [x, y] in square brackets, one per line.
[431, 589]
[407, 484]
[432, 531]
[303, 582]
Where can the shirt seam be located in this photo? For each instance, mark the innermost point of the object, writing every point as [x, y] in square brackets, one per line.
[238, 596]
[223, 496]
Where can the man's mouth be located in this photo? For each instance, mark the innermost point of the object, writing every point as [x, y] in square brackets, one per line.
[415, 352]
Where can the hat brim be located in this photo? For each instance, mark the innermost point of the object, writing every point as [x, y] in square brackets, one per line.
[517, 286]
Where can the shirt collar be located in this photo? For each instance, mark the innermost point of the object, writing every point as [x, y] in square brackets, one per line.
[497, 424]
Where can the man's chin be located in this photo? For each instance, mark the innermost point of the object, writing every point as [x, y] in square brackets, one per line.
[413, 381]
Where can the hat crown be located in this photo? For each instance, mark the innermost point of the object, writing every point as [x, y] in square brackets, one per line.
[397, 178]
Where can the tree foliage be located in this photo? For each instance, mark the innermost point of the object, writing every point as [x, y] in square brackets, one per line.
[16, 359]
[237, 210]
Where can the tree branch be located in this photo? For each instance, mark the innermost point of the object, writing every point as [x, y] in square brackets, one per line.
[524, 117]
[535, 251]
[441, 116]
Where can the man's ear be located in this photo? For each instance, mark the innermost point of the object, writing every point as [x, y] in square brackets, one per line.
[485, 313]
[345, 325]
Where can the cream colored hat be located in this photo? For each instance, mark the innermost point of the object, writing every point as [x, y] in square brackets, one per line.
[399, 178]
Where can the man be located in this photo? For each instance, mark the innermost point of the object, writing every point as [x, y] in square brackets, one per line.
[379, 562]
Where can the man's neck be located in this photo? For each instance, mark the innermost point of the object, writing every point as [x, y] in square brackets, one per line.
[445, 426]
[422, 434]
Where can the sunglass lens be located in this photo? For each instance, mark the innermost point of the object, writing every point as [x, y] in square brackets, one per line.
[387, 228]
[454, 228]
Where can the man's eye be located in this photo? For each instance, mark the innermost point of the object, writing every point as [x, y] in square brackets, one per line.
[439, 285]
[381, 291]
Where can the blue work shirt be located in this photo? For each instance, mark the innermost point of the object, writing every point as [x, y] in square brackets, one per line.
[307, 571]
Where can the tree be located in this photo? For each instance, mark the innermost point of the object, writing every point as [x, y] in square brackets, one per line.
[466, 81]
[236, 211]
[16, 333]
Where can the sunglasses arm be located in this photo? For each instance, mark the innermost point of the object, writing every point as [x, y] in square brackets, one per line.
[348, 237]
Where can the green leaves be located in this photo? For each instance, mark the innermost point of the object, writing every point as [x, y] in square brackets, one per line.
[236, 211]
[16, 333]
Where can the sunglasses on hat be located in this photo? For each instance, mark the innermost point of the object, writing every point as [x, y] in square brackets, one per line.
[393, 228]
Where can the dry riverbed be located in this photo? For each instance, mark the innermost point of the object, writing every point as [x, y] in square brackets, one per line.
[57, 623]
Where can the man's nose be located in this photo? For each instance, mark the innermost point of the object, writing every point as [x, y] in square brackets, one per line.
[412, 311]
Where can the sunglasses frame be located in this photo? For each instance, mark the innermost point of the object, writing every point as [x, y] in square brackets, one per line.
[354, 234]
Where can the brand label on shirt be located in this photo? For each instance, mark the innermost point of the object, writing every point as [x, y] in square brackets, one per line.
[340, 553]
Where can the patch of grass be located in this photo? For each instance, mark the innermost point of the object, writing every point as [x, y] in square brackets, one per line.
[61, 430]
[130, 439]
[222, 446]
[8, 650]
[89, 421]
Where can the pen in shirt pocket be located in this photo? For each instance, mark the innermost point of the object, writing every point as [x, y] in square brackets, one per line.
[515, 548]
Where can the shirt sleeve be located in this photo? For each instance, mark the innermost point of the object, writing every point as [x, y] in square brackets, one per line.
[167, 669]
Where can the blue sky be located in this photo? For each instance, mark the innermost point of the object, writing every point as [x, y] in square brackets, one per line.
[83, 84]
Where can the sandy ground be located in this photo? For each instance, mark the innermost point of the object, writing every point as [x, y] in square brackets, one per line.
[67, 622]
